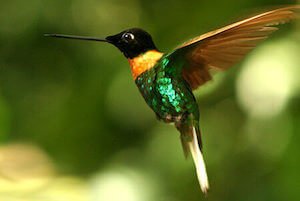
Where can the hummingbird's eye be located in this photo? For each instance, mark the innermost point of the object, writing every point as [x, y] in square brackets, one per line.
[128, 36]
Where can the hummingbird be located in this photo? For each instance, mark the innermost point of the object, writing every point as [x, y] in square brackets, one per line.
[167, 80]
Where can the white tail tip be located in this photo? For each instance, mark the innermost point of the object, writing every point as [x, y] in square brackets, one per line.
[199, 163]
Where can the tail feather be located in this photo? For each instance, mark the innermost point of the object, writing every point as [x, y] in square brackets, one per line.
[199, 162]
[185, 147]
[191, 143]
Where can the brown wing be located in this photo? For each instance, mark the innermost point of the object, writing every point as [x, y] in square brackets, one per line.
[224, 47]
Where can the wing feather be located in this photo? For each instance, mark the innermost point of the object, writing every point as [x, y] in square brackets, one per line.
[224, 47]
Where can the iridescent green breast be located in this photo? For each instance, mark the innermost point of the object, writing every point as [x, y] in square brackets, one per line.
[166, 92]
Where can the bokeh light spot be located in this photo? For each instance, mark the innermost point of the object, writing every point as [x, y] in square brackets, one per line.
[122, 184]
[265, 84]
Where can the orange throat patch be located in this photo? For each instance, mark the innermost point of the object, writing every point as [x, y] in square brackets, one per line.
[144, 62]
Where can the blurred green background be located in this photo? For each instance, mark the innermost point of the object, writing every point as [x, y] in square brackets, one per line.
[73, 125]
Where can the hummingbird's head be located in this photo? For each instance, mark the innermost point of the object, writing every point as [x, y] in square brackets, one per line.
[132, 42]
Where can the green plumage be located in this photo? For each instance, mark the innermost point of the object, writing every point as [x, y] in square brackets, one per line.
[170, 96]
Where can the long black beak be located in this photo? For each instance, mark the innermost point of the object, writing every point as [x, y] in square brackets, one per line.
[77, 37]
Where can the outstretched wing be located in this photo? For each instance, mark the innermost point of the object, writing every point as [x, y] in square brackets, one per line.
[222, 48]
